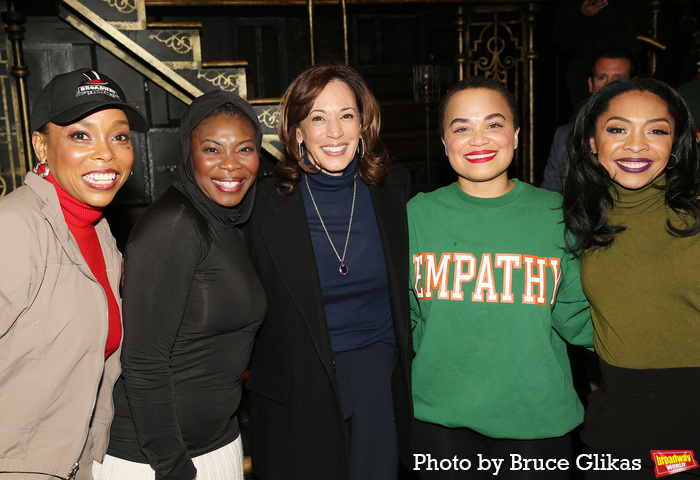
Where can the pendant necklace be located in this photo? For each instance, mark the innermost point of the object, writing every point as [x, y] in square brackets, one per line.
[343, 269]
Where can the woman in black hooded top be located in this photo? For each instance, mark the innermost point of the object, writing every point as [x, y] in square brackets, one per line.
[192, 305]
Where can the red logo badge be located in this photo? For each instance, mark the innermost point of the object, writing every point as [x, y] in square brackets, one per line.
[94, 78]
[668, 462]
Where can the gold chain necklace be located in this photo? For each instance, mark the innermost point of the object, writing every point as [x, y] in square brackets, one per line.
[343, 269]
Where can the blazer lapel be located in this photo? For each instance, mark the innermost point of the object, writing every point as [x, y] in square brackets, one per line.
[392, 228]
[393, 231]
[288, 241]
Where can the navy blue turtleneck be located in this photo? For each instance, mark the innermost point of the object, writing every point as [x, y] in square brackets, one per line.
[357, 304]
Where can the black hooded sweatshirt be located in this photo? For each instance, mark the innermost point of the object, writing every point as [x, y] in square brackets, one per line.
[192, 304]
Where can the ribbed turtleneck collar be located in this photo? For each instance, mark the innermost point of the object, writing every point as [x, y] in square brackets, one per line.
[75, 212]
[331, 183]
[649, 197]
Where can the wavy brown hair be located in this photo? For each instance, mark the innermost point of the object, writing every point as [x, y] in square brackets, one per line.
[296, 106]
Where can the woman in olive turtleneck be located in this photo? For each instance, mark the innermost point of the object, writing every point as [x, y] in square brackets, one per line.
[631, 203]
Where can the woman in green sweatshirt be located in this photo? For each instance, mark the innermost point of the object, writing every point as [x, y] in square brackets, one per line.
[494, 297]
[631, 203]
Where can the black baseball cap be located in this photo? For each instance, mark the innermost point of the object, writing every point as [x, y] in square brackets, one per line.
[68, 97]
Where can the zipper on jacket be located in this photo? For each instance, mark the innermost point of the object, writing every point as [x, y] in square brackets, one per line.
[74, 469]
[73, 472]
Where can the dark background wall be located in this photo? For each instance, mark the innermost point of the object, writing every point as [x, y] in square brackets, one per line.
[385, 41]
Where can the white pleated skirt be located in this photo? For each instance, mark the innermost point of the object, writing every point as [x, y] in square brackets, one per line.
[225, 463]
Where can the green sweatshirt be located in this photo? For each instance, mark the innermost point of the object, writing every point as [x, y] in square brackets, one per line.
[645, 288]
[492, 296]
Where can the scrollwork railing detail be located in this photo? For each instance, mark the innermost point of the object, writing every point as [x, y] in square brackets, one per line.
[226, 81]
[269, 116]
[501, 47]
[123, 6]
[179, 42]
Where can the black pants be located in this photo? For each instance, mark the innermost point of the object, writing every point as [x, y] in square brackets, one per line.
[364, 382]
[637, 411]
[444, 444]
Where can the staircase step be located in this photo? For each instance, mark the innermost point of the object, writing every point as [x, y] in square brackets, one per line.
[124, 47]
[267, 111]
[178, 48]
[226, 79]
[124, 15]
[224, 63]
[174, 25]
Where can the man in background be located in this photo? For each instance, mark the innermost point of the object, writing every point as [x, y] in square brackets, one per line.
[608, 66]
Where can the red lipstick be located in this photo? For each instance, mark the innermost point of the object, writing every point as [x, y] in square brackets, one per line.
[481, 156]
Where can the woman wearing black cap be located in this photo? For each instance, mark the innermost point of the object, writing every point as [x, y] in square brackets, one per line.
[60, 325]
[192, 306]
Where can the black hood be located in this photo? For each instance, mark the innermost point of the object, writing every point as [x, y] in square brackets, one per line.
[199, 109]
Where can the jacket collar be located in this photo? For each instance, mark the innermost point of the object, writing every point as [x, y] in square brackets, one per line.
[51, 210]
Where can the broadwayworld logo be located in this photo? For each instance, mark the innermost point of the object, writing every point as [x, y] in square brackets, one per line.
[668, 462]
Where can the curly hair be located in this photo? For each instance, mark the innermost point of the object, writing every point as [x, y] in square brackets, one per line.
[587, 183]
[296, 105]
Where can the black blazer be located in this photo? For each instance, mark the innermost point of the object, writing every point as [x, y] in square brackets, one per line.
[297, 426]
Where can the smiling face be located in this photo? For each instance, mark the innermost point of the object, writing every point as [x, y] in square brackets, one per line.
[91, 158]
[224, 158]
[331, 131]
[480, 140]
[633, 138]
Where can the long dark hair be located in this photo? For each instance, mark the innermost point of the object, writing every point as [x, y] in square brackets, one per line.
[586, 183]
[296, 105]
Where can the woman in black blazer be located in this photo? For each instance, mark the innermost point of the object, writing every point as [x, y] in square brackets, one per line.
[330, 374]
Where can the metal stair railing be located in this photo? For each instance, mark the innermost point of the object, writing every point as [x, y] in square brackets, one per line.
[105, 34]
[113, 40]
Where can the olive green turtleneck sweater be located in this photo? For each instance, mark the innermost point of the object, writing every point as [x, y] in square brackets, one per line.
[644, 289]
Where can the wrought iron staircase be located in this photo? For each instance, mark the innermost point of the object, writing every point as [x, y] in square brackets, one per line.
[169, 55]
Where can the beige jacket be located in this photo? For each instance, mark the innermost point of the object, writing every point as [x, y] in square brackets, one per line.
[55, 386]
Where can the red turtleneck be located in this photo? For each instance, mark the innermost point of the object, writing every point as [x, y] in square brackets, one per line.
[81, 219]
